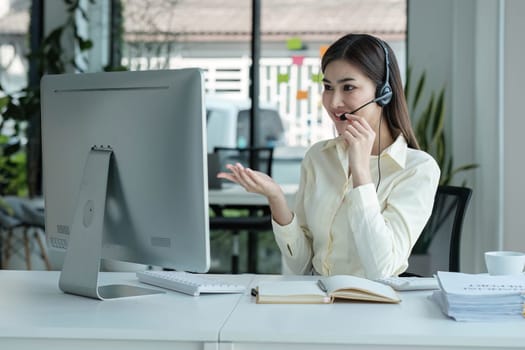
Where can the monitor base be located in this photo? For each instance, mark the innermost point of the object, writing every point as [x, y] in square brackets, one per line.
[81, 267]
[115, 291]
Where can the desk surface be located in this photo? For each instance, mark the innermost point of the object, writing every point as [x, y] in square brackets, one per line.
[35, 311]
[416, 321]
[35, 314]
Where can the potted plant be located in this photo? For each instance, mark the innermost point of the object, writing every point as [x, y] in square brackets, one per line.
[429, 129]
[20, 164]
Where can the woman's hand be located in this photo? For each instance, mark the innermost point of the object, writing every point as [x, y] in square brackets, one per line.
[360, 138]
[258, 182]
[252, 181]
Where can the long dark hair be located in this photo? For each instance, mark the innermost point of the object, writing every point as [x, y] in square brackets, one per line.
[367, 53]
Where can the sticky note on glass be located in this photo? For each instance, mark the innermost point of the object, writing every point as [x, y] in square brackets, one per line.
[283, 78]
[317, 78]
[297, 60]
[294, 44]
[322, 50]
[302, 95]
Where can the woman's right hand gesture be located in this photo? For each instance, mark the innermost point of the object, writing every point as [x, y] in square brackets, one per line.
[258, 182]
[261, 183]
[252, 181]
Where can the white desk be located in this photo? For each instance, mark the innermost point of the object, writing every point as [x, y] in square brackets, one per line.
[415, 323]
[34, 314]
[232, 194]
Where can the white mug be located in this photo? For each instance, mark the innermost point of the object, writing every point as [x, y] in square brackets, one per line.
[504, 262]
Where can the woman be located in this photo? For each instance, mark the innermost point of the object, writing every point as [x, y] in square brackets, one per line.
[356, 213]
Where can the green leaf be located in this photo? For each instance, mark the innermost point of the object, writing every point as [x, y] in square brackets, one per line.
[429, 125]
[446, 172]
[424, 120]
[85, 44]
[3, 102]
[83, 13]
[408, 82]
[6, 207]
[463, 168]
[439, 117]
[419, 90]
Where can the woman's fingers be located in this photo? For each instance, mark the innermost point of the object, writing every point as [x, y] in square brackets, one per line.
[353, 133]
[358, 128]
[245, 177]
[232, 176]
[247, 180]
[360, 124]
[251, 180]
[237, 170]
[227, 176]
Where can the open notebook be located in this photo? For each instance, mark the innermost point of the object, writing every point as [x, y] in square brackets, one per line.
[325, 290]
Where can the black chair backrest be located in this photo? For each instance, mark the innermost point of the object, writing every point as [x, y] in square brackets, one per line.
[258, 217]
[439, 243]
[231, 155]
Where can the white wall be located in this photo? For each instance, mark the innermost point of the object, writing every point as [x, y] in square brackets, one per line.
[473, 48]
[514, 125]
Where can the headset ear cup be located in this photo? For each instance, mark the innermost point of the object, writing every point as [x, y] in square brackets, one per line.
[384, 95]
[384, 91]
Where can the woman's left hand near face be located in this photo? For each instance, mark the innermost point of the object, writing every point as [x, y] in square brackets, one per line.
[360, 138]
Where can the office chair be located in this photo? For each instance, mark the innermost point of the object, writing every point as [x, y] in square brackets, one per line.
[441, 238]
[28, 221]
[257, 219]
[232, 155]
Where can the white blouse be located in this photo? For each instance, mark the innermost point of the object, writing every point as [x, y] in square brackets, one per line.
[338, 229]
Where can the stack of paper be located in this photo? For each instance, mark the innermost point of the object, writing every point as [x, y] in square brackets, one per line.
[480, 297]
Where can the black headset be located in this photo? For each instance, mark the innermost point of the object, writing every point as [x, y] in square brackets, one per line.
[384, 91]
[383, 97]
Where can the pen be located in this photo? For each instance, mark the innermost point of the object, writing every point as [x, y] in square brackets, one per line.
[321, 285]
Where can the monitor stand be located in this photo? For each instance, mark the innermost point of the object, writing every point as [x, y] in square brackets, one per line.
[82, 261]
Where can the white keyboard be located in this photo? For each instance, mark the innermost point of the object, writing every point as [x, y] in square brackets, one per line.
[189, 283]
[410, 283]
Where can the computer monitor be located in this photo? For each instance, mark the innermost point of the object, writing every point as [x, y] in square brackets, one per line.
[125, 173]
